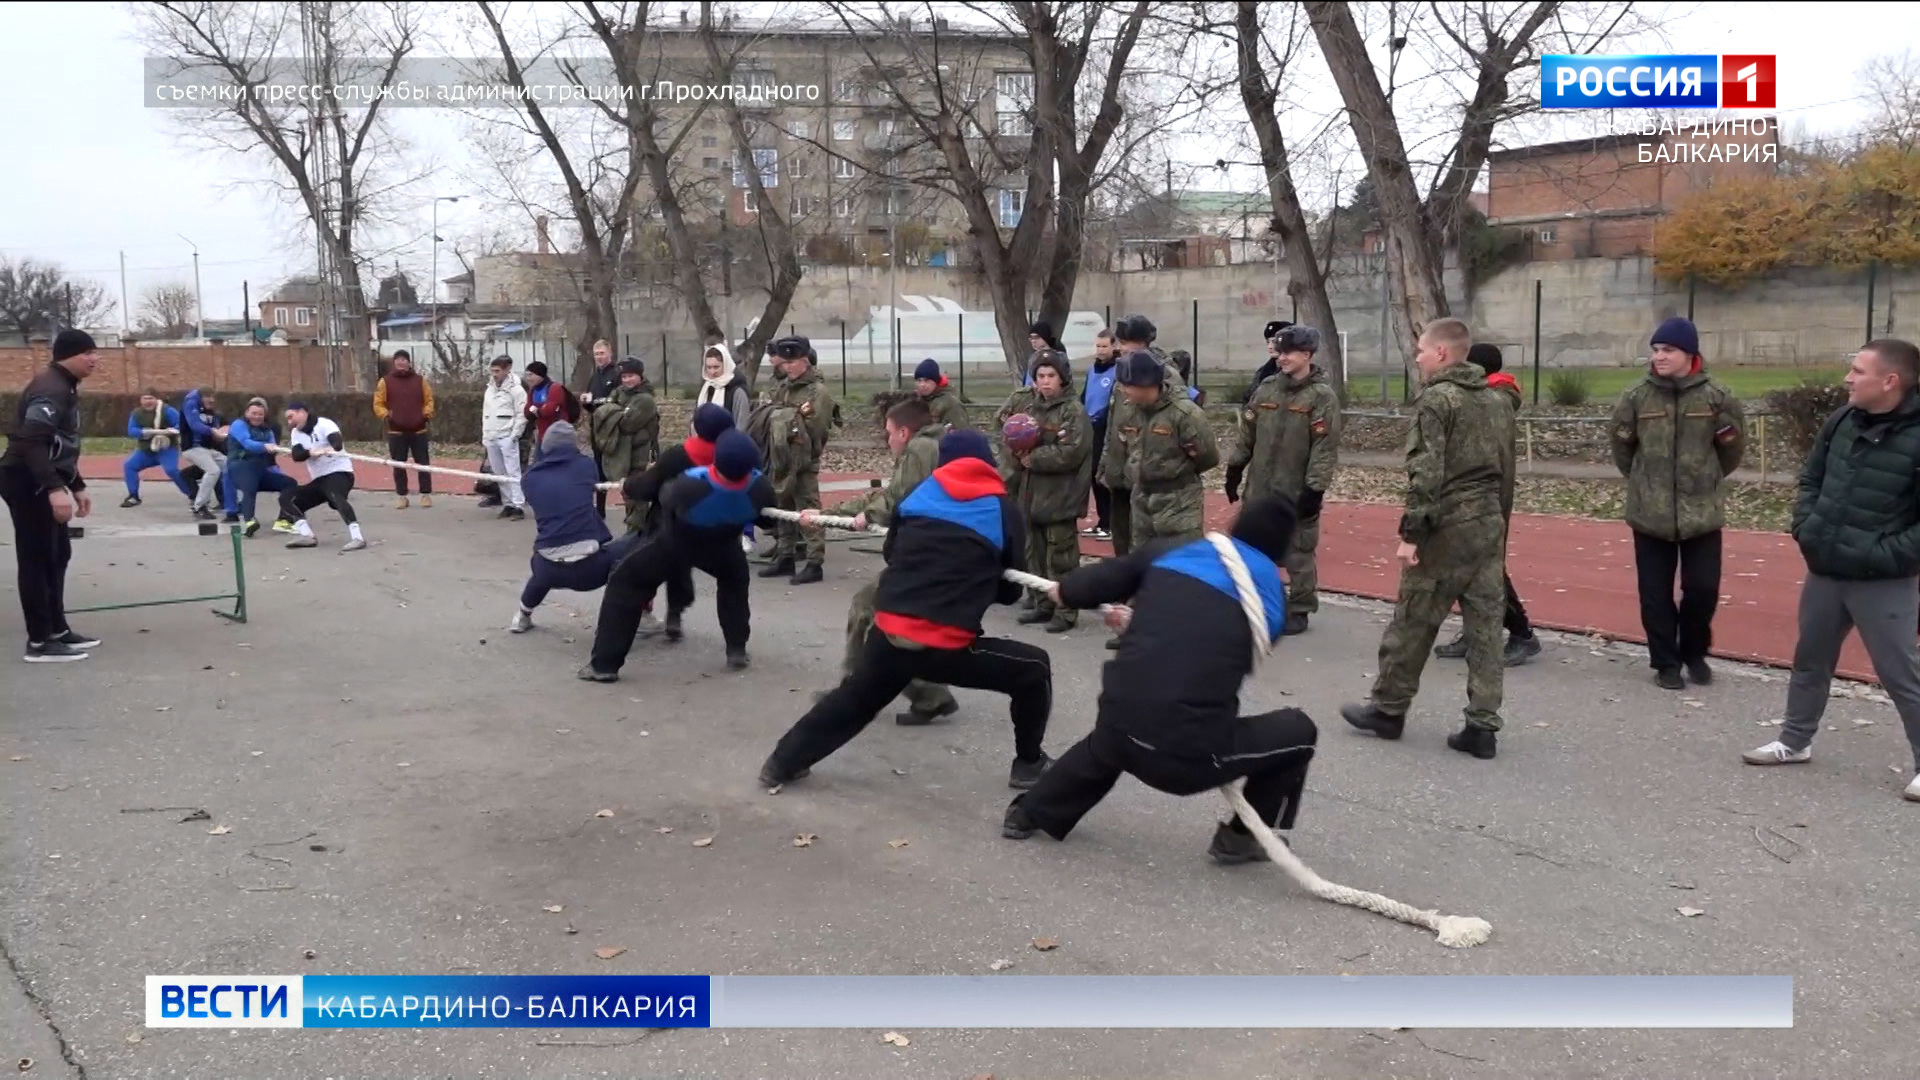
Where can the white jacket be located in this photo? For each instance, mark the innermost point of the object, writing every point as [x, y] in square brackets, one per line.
[503, 412]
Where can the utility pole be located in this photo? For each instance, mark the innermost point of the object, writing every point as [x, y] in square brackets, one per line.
[125, 314]
[199, 309]
[433, 283]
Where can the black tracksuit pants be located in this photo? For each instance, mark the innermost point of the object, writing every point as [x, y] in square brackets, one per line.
[663, 559]
[42, 548]
[1272, 750]
[1021, 671]
[1102, 495]
[1682, 632]
[331, 489]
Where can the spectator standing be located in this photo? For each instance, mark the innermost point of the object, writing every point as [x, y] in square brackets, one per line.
[605, 380]
[155, 429]
[1677, 435]
[404, 399]
[626, 433]
[41, 485]
[934, 391]
[547, 403]
[1857, 521]
[503, 416]
[722, 384]
[1095, 397]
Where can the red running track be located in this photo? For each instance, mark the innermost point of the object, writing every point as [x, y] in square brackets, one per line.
[1573, 573]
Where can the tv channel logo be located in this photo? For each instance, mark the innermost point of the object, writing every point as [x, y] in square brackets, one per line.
[224, 1001]
[1744, 81]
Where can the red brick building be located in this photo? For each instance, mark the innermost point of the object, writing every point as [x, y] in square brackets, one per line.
[1602, 197]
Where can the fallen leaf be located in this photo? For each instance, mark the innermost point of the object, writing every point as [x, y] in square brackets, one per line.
[664, 829]
[134, 1038]
[553, 909]
[1690, 912]
[563, 731]
[25, 1064]
[898, 843]
[1861, 722]
[896, 1039]
[405, 764]
[775, 789]
[1045, 944]
[1001, 965]
[570, 929]
[163, 708]
[608, 952]
[18, 757]
[705, 841]
[603, 813]
[1540, 723]
[805, 839]
[218, 830]
[257, 753]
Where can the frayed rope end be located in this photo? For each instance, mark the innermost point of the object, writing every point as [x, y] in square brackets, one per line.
[1463, 931]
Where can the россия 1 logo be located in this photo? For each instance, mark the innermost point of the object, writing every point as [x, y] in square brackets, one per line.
[1657, 82]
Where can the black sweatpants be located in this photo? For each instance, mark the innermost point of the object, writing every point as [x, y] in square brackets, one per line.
[1677, 633]
[42, 549]
[1102, 495]
[398, 447]
[1021, 671]
[661, 559]
[1272, 750]
[331, 489]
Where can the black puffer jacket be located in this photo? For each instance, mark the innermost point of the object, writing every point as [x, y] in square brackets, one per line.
[1858, 515]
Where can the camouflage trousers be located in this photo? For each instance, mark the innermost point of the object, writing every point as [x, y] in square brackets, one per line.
[924, 698]
[1303, 570]
[1428, 591]
[1053, 552]
[796, 492]
[1168, 515]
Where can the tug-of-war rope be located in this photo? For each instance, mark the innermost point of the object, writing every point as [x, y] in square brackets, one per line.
[1453, 931]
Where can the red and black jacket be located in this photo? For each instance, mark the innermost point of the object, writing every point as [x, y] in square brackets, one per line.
[950, 539]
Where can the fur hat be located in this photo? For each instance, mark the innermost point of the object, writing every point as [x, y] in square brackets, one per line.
[1142, 369]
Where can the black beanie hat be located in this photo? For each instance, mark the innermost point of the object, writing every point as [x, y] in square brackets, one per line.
[1141, 369]
[537, 368]
[711, 421]
[1041, 330]
[1486, 356]
[1267, 526]
[965, 443]
[734, 455]
[927, 369]
[68, 344]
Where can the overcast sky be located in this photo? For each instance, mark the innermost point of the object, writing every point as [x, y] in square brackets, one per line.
[92, 173]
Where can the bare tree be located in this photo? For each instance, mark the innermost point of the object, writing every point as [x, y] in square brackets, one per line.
[39, 298]
[168, 309]
[1892, 85]
[1067, 127]
[340, 166]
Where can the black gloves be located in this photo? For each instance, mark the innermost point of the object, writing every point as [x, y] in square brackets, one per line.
[1234, 472]
[1307, 506]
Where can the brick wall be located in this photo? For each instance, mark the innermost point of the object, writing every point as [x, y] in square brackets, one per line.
[174, 369]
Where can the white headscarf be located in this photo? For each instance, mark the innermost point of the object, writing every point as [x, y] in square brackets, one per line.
[714, 391]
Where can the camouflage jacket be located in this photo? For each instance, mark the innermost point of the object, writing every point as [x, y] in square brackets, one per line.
[1459, 467]
[1675, 440]
[625, 431]
[1288, 437]
[1052, 486]
[1123, 414]
[947, 408]
[799, 421]
[1171, 444]
[915, 463]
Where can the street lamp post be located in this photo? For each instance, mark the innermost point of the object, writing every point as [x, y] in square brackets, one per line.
[434, 283]
[199, 309]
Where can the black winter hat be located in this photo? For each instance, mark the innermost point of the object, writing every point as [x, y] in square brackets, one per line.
[635, 365]
[965, 443]
[927, 369]
[1275, 327]
[1486, 356]
[1267, 525]
[734, 455]
[710, 421]
[537, 367]
[1141, 369]
[71, 343]
[1041, 330]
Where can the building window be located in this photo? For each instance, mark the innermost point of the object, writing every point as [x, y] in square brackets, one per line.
[765, 162]
[843, 207]
[799, 129]
[885, 126]
[303, 316]
[844, 169]
[1012, 204]
[797, 166]
[711, 164]
[1546, 236]
[279, 316]
[708, 142]
[1377, 246]
[845, 90]
[763, 80]
[843, 130]
[801, 206]
[1012, 98]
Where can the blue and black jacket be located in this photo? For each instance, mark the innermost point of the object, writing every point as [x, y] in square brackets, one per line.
[949, 541]
[1175, 680]
[248, 444]
[200, 418]
[701, 508]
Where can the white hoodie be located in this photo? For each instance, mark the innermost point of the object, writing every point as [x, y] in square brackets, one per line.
[503, 411]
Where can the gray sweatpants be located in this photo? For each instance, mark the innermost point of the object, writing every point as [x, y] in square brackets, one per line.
[209, 464]
[1884, 612]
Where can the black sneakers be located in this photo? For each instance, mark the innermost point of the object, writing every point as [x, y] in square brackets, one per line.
[916, 718]
[1017, 825]
[736, 659]
[1231, 846]
[1296, 623]
[1668, 678]
[593, 674]
[1367, 718]
[1699, 672]
[131, 500]
[1025, 774]
[672, 628]
[52, 652]
[772, 775]
[1474, 740]
[75, 639]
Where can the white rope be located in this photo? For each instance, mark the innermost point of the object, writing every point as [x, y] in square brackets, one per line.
[441, 470]
[1454, 931]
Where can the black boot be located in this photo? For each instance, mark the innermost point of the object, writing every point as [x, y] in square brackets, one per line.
[1453, 650]
[1232, 846]
[1296, 623]
[1017, 825]
[772, 775]
[736, 659]
[1477, 741]
[1037, 614]
[1367, 718]
[808, 574]
[916, 718]
[778, 568]
[672, 626]
[1668, 678]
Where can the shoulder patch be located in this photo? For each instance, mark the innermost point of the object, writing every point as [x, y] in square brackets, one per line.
[1270, 405]
[1319, 427]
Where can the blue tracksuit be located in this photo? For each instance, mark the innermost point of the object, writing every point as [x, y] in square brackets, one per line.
[251, 467]
[143, 458]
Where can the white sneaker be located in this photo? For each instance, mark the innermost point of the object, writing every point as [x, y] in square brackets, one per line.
[1777, 753]
[522, 622]
[746, 545]
[1912, 794]
[353, 545]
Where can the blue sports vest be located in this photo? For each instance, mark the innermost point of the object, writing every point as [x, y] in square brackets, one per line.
[722, 507]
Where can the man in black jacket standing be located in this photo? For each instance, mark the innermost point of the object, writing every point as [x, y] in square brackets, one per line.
[40, 481]
[1178, 728]
[946, 548]
[605, 380]
[1857, 521]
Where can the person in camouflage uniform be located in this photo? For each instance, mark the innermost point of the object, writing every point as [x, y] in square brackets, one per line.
[1453, 540]
[914, 437]
[933, 389]
[1132, 334]
[625, 432]
[792, 424]
[1170, 445]
[1288, 444]
[1050, 482]
[1677, 435]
